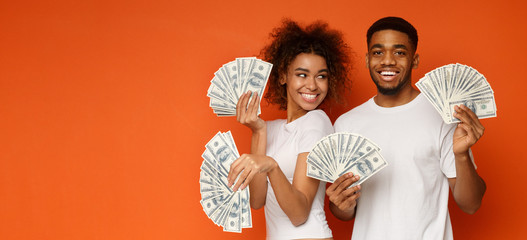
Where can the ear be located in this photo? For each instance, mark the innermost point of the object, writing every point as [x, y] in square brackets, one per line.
[415, 62]
[367, 60]
[283, 79]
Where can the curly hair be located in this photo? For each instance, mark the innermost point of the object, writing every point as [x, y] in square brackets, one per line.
[289, 40]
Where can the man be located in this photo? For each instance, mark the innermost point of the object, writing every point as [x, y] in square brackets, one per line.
[408, 199]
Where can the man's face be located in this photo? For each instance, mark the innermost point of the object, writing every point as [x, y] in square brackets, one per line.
[390, 59]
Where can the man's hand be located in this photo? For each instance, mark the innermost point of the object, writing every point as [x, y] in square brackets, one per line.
[468, 131]
[343, 200]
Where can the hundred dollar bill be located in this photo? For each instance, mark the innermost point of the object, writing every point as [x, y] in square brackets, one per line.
[367, 166]
[357, 154]
[483, 107]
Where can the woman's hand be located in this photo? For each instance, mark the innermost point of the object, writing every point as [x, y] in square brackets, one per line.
[248, 114]
[247, 166]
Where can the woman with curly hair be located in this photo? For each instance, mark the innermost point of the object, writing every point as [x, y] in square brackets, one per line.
[310, 67]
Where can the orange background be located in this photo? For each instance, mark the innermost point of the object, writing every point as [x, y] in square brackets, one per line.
[104, 113]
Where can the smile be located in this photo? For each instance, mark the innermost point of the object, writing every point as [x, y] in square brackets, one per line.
[388, 75]
[309, 97]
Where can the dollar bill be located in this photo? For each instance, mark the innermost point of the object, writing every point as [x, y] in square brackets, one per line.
[225, 207]
[342, 152]
[454, 84]
[482, 107]
[234, 79]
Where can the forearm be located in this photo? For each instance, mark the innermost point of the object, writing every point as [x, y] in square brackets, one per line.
[259, 141]
[258, 190]
[258, 186]
[293, 202]
[469, 187]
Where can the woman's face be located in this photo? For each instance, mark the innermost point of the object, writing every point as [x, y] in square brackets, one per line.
[306, 82]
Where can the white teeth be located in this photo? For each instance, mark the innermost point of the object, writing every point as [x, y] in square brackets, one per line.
[388, 73]
[309, 96]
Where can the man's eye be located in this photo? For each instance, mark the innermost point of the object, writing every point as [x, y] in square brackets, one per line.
[376, 52]
[401, 53]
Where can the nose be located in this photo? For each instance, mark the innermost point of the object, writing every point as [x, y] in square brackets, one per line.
[388, 59]
[311, 83]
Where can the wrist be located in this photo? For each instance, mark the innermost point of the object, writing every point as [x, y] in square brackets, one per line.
[274, 165]
[260, 130]
[464, 156]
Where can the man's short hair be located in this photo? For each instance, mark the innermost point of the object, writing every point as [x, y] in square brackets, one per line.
[393, 23]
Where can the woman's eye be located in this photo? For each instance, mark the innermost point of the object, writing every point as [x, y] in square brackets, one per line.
[301, 75]
[322, 76]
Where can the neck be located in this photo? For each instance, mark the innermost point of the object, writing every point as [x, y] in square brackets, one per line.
[404, 96]
[295, 113]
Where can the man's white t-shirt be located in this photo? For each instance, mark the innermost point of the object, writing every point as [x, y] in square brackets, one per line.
[284, 142]
[408, 199]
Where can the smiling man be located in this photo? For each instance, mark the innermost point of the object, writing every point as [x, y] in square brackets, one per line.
[409, 198]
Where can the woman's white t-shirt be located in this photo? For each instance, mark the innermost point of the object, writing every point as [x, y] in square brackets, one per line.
[284, 142]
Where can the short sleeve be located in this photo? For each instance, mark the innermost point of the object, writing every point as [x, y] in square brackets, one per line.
[316, 126]
[447, 160]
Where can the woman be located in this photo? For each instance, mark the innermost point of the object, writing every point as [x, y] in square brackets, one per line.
[309, 65]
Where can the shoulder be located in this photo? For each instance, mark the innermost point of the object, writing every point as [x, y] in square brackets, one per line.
[275, 124]
[352, 114]
[316, 119]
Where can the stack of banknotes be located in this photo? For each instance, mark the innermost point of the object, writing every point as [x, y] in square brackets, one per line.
[455, 84]
[224, 207]
[234, 79]
[342, 152]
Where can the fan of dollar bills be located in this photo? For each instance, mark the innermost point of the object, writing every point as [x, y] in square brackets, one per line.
[234, 79]
[224, 207]
[455, 84]
[342, 152]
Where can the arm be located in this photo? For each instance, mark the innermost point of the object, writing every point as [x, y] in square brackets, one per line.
[258, 182]
[258, 186]
[343, 200]
[295, 199]
[468, 187]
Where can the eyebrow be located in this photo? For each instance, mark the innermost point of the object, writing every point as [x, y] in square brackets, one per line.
[378, 45]
[307, 70]
[400, 46]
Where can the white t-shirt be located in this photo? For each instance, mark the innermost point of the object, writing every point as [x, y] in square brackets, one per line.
[284, 143]
[408, 199]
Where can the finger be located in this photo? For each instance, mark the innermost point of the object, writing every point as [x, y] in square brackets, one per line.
[238, 108]
[469, 111]
[470, 132]
[348, 182]
[241, 179]
[241, 106]
[235, 169]
[476, 122]
[462, 115]
[351, 191]
[248, 180]
[338, 181]
[253, 105]
[351, 201]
